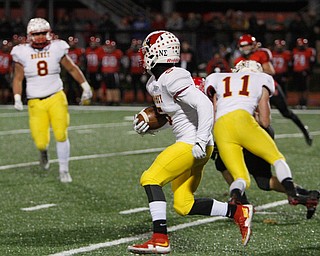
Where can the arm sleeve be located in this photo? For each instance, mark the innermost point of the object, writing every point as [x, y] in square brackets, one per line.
[200, 102]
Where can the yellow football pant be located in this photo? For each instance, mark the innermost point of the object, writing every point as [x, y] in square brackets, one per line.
[43, 113]
[239, 129]
[176, 164]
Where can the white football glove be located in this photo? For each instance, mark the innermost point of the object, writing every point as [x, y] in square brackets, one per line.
[17, 102]
[140, 127]
[199, 150]
[86, 94]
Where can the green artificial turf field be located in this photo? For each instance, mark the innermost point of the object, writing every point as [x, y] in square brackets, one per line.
[104, 209]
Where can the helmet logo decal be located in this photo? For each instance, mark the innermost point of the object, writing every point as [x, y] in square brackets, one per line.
[163, 53]
[152, 39]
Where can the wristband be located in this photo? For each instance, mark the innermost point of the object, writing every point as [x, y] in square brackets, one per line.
[85, 86]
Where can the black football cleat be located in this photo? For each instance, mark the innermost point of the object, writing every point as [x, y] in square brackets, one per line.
[311, 209]
[44, 160]
[310, 201]
[307, 136]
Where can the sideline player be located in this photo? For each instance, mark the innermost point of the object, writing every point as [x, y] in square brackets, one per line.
[39, 61]
[237, 98]
[251, 50]
[182, 163]
[304, 58]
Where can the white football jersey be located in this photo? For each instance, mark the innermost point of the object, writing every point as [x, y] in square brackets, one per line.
[241, 90]
[41, 67]
[175, 94]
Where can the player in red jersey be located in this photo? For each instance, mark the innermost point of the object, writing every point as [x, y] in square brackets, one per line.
[282, 62]
[76, 53]
[217, 64]
[5, 71]
[93, 62]
[251, 50]
[110, 68]
[135, 72]
[303, 60]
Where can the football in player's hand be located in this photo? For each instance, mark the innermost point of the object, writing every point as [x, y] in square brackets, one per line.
[151, 116]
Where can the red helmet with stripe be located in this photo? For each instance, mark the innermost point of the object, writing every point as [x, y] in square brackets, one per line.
[247, 44]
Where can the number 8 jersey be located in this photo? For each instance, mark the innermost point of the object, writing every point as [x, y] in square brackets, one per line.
[235, 91]
[41, 67]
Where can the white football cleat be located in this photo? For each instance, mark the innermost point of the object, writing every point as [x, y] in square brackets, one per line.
[65, 177]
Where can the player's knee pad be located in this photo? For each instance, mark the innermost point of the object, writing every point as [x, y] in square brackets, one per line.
[146, 179]
[61, 135]
[41, 144]
[263, 183]
[181, 208]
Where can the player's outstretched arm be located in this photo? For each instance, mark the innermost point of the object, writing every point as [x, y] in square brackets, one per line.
[18, 77]
[77, 74]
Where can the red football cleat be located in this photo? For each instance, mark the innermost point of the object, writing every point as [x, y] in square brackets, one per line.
[243, 218]
[158, 244]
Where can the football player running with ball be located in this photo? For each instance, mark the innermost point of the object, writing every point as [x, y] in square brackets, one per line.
[242, 113]
[181, 164]
[39, 62]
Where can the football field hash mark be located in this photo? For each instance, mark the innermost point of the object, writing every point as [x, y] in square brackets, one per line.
[37, 207]
[141, 209]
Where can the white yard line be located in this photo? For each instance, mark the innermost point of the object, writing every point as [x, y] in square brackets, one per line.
[134, 210]
[76, 158]
[137, 108]
[125, 153]
[37, 207]
[124, 240]
[72, 128]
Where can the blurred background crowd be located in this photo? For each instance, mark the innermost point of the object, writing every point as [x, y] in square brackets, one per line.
[209, 40]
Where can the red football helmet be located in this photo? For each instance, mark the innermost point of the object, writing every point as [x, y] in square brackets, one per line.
[39, 33]
[73, 41]
[279, 42]
[279, 45]
[94, 42]
[302, 42]
[136, 44]
[247, 40]
[110, 46]
[199, 82]
[6, 46]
